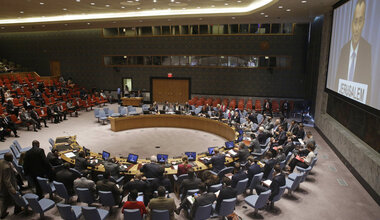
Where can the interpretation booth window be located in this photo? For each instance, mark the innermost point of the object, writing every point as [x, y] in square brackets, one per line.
[203, 29]
[200, 61]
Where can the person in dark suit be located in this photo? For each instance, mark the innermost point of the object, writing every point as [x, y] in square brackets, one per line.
[66, 177]
[81, 163]
[355, 56]
[285, 109]
[269, 164]
[239, 174]
[227, 192]
[217, 161]
[281, 138]
[277, 182]
[152, 169]
[26, 118]
[140, 184]
[112, 167]
[7, 123]
[11, 109]
[162, 203]
[301, 132]
[253, 168]
[57, 109]
[243, 153]
[107, 185]
[37, 118]
[53, 158]
[27, 104]
[255, 144]
[36, 164]
[8, 184]
[293, 127]
[202, 199]
[162, 180]
[192, 182]
[267, 107]
[262, 136]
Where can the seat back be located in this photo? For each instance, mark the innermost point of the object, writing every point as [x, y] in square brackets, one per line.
[76, 172]
[14, 150]
[66, 211]
[102, 114]
[260, 118]
[106, 111]
[227, 207]
[215, 188]
[256, 180]
[130, 214]
[203, 212]
[224, 171]
[106, 198]
[270, 175]
[85, 195]
[182, 177]
[51, 142]
[296, 182]
[61, 190]
[19, 200]
[17, 145]
[90, 213]
[192, 192]
[33, 202]
[313, 162]
[96, 112]
[280, 193]
[262, 200]
[160, 214]
[44, 184]
[241, 186]
[123, 111]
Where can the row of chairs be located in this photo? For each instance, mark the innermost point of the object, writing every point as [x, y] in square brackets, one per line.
[104, 113]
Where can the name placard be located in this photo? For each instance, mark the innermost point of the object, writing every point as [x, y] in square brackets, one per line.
[353, 90]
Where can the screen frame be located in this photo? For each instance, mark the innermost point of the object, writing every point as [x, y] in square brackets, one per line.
[213, 149]
[133, 155]
[163, 155]
[233, 144]
[109, 155]
[192, 152]
[367, 108]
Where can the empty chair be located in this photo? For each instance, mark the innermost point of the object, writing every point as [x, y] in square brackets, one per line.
[69, 212]
[106, 111]
[20, 200]
[227, 207]
[160, 214]
[113, 114]
[19, 148]
[106, 199]
[292, 185]
[96, 113]
[51, 141]
[241, 186]
[92, 213]
[255, 180]
[46, 186]
[215, 188]
[123, 111]
[84, 195]
[258, 201]
[40, 206]
[15, 152]
[203, 212]
[61, 191]
[132, 214]
[102, 116]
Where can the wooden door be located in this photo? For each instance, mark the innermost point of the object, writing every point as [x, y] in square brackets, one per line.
[171, 90]
[55, 68]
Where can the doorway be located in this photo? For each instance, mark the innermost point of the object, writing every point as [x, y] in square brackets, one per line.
[170, 89]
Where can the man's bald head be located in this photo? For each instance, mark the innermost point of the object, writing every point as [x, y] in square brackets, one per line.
[358, 22]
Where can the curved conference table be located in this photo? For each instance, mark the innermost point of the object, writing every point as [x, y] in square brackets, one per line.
[68, 147]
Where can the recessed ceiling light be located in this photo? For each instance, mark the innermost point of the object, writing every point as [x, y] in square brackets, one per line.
[22, 27]
[21, 12]
[77, 0]
[200, 19]
[3, 28]
[43, 25]
[107, 6]
[225, 3]
[92, 3]
[212, 6]
[65, 9]
[238, 1]
[262, 13]
[88, 23]
[172, 0]
[288, 9]
[66, 24]
[280, 6]
[233, 18]
[154, 1]
[122, 6]
[266, 16]
[303, 2]
[136, 0]
[41, 3]
[138, 8]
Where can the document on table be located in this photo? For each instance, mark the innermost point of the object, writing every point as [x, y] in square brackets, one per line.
[70, 154]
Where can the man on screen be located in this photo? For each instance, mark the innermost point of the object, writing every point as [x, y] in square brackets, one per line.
[355, 56]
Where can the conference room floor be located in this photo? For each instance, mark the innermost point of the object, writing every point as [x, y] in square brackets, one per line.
[329, 192]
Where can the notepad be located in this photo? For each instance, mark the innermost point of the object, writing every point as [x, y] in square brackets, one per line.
[301, 141]
[232, 152]
[70, 154]
[191, 199]
[267, 182]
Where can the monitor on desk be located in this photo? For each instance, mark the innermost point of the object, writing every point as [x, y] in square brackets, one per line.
[105, 155]
[162, 158]
[191, 155]
[239, 139]
[211, 150]
[229, 144]
[62, 140]
[240, 131]
[132, 158]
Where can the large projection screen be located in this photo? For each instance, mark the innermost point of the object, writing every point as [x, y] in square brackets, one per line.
[354, 61]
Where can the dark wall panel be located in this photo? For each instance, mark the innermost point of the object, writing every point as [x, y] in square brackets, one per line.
[81, 55]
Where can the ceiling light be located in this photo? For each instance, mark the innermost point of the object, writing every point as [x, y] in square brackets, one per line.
[238, 1]
[65, 9]
[233, 18]
[172, 0]
[136, 0]
[41, 3]
[122, 6]
[288, 9]
[138, 8]
[266, 57]
[200, 19]
[22, 27]
[77, 0]
[266, 16]
[280, 6]
[225, 3]
[3, 28]
[107, 6]
[92, 3]
[262, 13]
[303, 2]
[21, 12]
[88, 23]
[154, 1]
[43, 25]
[212, 6]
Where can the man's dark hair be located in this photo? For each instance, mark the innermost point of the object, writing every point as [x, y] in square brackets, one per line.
[161, 191]
[237, 166]
[269, 154]
[8, 156]
[66, 165]
[277, 168]
[106, 175]
[81, 154]
[54, 150]
[133, 195]
[190, 173]
[202, 187]
[227, 181]
[35, 143]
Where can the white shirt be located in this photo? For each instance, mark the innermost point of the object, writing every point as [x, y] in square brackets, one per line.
[350, 63]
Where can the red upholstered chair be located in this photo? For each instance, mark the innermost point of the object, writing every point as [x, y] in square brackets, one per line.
[258, 107]
[275, 107]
